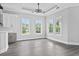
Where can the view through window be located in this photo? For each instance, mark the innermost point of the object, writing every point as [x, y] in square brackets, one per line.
[38, 25]
[50, 26]
[25, 25]
[58, 26]
[54, 25]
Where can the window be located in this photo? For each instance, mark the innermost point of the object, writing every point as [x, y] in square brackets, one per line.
[38, 26]
[50, 25]
[25, 26]
[58, 26]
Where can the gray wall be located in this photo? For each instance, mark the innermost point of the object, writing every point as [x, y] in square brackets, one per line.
[70, 28]
[14, 22]
[73, 25]
[63, 36]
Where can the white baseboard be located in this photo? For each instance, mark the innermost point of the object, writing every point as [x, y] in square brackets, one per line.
[73, 43]
[3, 50]
[29, 39]
[54, 39]
[68, 43]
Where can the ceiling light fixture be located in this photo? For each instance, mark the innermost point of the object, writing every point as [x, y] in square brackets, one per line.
[38, 10]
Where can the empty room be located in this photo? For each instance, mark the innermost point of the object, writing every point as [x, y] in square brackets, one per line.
[39, 29]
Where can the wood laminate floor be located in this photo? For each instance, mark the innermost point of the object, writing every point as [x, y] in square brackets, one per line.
[41, 47]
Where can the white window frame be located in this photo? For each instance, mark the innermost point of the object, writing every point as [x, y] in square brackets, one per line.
[51, 21]
[21, 26]
[35, 27]
[60, 19]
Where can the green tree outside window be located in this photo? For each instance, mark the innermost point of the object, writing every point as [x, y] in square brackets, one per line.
[38, 28]
[57, 27]
[50, 27]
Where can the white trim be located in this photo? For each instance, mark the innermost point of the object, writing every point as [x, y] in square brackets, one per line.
[73, 43]
[57, 40]
[3, 50]
[68, 43]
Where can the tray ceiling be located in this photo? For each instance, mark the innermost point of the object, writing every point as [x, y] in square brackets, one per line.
[44, 6]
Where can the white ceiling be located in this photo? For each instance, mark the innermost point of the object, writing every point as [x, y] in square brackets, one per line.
[44, 6]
